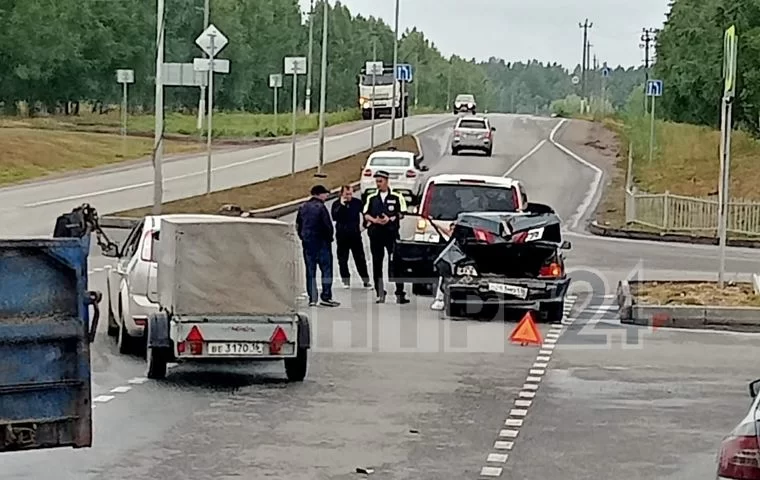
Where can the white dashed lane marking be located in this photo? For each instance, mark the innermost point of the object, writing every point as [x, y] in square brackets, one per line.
[524, 401]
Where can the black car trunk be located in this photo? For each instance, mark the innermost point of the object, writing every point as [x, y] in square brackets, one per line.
[510, 260]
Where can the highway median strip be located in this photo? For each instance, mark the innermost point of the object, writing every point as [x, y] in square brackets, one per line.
[270, 198]
[689, 304]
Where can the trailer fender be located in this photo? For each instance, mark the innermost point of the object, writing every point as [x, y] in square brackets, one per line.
[158, 331]
[304, 331]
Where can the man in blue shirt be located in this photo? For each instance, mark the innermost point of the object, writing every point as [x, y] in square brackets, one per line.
[347, 214]
[316, 232]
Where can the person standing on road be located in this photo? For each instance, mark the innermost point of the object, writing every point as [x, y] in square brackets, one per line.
[382, 211]
[316, 232]
[347, 214]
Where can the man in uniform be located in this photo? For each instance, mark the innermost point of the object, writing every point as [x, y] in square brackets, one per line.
[382, 211]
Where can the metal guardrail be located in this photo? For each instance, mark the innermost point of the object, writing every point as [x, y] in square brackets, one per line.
[678, 213]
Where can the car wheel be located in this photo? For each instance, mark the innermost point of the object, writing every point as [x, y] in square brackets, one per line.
[454, 151]
[553, 312]
[124, 340]
[489, 152]
[295, 368]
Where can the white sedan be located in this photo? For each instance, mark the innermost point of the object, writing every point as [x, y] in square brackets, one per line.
[405, 175]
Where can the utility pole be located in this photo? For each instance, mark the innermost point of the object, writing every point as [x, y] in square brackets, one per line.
[322, 92]
[395, 82]
[416, 83]
[448, 87]
[158, 140]
[586, 25]
[307, 107]
[647, 41]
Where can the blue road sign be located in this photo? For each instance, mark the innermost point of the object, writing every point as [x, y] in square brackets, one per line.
[404, 72]
[606, 72]
[654, 88]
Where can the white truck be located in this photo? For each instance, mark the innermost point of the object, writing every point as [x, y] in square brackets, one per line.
[383, 96]
[227, 293]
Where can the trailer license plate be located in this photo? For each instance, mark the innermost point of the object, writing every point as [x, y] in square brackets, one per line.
[236, 348]
[520, 292]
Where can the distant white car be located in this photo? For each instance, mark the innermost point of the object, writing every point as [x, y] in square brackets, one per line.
[405, 175]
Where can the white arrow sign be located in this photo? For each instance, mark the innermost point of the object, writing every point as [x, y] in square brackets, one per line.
[211, 36]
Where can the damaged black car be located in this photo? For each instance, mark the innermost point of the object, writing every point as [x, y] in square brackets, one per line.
[498, 261]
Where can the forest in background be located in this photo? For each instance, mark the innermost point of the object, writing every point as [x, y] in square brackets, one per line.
[65, 52]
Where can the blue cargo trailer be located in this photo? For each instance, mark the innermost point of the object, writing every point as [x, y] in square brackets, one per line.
[45, 334]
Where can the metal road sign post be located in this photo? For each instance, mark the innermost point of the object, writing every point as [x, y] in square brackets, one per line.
[373, 68]
[211, 41]
[294, 66]
[158, 133]
[654, 90]
[729, 92]
[125, 77]
[275, 83]
[404, 76]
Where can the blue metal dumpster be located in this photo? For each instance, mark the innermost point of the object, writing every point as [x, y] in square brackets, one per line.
[44, 344]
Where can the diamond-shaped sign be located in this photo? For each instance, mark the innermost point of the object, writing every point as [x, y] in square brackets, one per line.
[209, 36]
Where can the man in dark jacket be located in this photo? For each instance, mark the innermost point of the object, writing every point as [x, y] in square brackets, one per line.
[316, 232]
[347, 214]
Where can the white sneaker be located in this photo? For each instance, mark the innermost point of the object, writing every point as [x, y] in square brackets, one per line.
[437, 305]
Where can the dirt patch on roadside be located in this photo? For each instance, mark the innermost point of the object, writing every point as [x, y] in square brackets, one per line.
[278, 190]
[695, 293]
[601, 147]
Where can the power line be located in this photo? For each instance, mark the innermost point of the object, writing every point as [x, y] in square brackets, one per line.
[586, 25]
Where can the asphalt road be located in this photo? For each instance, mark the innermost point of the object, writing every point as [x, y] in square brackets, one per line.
[399, 390]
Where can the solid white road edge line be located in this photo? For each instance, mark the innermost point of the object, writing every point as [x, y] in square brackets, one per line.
[593, 188]
[516, 417]
[216, 169]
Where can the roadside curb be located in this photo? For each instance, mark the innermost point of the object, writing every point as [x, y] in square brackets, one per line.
[740, 319]
[602, 231]
[275, 211]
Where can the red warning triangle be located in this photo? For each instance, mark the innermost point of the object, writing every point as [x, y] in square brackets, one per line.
[526, 332]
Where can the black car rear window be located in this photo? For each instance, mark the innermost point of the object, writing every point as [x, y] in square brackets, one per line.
[448, 201]
[476, 124]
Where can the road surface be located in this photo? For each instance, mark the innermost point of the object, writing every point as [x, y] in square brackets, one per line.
[399, 390]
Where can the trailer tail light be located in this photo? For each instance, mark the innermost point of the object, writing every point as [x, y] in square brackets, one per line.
[368, 172]
[738, 458]
[484, 236]
[411, 174]
[193, 342]
[277, 340]
[553, 270]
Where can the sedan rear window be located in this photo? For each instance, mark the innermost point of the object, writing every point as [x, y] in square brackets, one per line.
[474, 124]
[448, 201]
[390, 162]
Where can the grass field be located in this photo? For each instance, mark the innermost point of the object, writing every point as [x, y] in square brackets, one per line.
[225, 124]
[685, 162]
[31, 153]
[277, 190]
[696, 293]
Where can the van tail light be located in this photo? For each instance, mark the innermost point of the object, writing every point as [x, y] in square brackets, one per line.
[484, 236]
[193, 342]
[411, 174]
[553, 270]
[738, 458]
[367, 172]
[277, 340]
[457, 133]
[146, 254]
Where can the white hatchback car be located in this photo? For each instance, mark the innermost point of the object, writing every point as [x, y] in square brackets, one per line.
[131, 284]
[405, 175]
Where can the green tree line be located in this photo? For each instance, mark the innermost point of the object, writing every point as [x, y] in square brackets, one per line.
[55, 54]
[690, 61]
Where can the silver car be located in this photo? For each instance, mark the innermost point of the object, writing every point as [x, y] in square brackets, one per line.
[473, 133]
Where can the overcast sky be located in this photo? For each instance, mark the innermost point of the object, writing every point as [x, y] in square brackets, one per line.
[523, 29]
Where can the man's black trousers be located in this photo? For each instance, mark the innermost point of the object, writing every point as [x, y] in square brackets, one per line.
[381, 243]
[351, 244]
